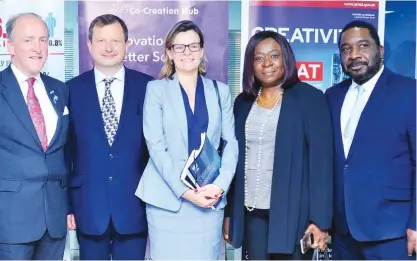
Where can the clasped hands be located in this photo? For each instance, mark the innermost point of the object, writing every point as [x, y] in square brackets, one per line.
[204, 197]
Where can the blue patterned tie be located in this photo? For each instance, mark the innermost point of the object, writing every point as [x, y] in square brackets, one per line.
[108, 109]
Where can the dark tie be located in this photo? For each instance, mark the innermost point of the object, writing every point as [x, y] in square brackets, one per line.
[108, 109]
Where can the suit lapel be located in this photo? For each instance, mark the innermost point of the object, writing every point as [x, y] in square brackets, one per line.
[290, 114]
[127, 90]
[284, 135]
[14, 97]
[212, 106]
[241, 116]
[341, 94]
[91, 96]
[371, 109]
[176, 99]
[53, 95]
[242, 112]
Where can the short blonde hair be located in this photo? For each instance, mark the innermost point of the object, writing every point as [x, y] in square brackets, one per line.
[168, 69]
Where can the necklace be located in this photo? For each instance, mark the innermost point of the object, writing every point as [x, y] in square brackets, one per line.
[259, 154]
[271, 104]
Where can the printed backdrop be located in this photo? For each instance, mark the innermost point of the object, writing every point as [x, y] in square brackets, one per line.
[148, 23]
[52, 12]
[313, 29]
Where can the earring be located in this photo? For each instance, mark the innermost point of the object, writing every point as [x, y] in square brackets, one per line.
[171, 62]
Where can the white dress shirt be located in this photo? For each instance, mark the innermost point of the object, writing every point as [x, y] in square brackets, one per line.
[117, 88]
[349, 102]
[48, 111]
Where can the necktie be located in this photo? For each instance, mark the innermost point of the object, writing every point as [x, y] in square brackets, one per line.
[35, 112]
[108, 109]
[354, 118]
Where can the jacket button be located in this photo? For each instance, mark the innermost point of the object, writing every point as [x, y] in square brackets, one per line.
[111, 156]
[110, 178]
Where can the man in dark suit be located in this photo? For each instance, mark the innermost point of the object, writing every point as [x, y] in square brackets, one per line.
[108, 151]
[33, 133]
[374, 125]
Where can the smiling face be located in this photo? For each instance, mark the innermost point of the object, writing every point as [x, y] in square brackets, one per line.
[361, 57]
[188, 59]
[108, 46]
[268, 64]
[28, 45]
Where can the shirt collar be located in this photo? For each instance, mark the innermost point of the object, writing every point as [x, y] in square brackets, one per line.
[370, 84]
[21, 77]
[119, 75]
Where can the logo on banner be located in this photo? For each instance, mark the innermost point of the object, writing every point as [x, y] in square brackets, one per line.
[51, 24]
[121, 10]
[310, 71]
[54, 42]
[4, 57]
[3, 35]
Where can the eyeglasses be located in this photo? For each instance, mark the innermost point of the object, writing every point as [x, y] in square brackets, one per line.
[180, 48]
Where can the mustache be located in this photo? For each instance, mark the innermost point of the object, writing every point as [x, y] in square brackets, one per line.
[356, 63]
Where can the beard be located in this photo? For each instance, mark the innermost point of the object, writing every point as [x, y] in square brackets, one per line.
[371, 70]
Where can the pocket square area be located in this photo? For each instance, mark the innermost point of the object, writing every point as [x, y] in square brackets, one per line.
[65, 111]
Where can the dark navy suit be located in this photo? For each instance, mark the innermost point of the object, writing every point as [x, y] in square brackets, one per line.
[374, 186]
[33, 183]
[104, 178]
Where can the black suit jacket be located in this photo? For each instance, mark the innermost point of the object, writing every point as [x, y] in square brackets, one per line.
[302, 173]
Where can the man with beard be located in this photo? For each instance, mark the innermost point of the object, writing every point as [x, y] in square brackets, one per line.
[374, 119]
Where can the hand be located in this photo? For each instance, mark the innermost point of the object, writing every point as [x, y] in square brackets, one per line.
[320, 237]
[199, 198]
[71, 222]
[226, 223]
[411, 241]
[214, 191]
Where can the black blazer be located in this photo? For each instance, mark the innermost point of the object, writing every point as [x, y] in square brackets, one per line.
[302, 184]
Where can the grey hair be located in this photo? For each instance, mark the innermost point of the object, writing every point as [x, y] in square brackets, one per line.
[12, 22]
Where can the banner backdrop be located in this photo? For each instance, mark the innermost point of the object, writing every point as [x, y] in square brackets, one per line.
[313, 29]
[148, 23]
[52, 12]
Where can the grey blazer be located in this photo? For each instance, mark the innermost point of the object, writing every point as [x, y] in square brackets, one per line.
[166, 134]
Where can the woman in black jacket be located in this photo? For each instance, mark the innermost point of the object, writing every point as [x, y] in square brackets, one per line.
[282, 188]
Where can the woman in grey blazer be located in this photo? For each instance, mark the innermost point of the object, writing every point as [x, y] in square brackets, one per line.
[177, 109]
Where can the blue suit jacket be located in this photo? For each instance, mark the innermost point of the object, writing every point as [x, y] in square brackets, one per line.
[33, 191]
[166, 133]
[374, 186]
[301, 190]
[103, 178]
